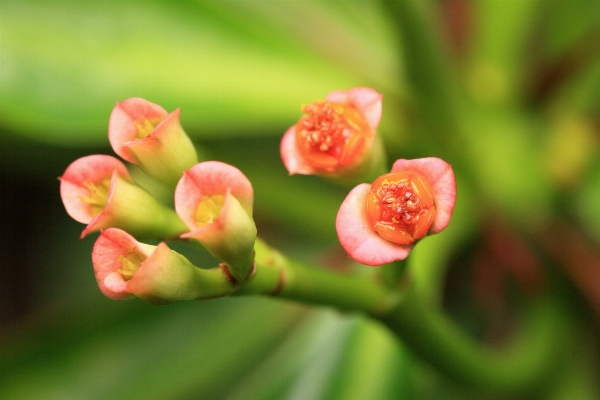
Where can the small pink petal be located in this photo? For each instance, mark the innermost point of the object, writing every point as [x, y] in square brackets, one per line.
[206, 179]
[94, 168]
[121, 128]
[438, 173]
[104, 218]
[114, 283]
[292, 159]
[367, 101]
[111, 244]
[356, 236]
[214, 232]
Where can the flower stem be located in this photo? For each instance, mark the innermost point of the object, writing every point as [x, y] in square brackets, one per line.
[278, 276]
[520, 366]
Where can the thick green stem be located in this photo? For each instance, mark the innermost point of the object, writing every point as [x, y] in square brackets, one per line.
[520, 366]
[278, 276]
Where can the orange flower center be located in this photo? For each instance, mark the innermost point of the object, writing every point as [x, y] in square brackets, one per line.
[401, 207]
[130, 263]
[98, 195]
[330, 134]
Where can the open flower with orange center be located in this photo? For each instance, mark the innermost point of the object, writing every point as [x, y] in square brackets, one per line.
[381, 222]
[144, 134]
[97, 190]
[215, 201]
[125, 268]
[335, 137]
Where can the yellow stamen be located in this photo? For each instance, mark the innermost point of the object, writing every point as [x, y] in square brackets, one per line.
[144, 128]
[130, 264]
[208, 209]
[98, 195]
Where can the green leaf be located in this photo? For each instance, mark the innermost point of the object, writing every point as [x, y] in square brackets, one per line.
[65, 64]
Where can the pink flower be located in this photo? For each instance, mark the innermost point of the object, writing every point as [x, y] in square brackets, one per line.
[125, 268]
[97, 190]
[143, 133]
[335, 137]
[381, 222]
[215, 201]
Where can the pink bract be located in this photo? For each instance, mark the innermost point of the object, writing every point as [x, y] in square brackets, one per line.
[363, 243]
[438, 173]
[364, 100]
[121, 127]
[215, 201]
[207, 179]
[111, 244]
[94, 168]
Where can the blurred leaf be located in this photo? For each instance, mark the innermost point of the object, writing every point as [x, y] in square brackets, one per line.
[374, 366]
[334, 357]
[302, 366]
[186, 350]
[64, 64]
[501, 30]
[587, 204]
[430, 76]
[505, 160]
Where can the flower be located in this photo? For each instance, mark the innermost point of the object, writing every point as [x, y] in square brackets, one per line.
[335, 138]
[381, 222]
[215, 201]
[97, 190]
[144, 134]
[125, 268]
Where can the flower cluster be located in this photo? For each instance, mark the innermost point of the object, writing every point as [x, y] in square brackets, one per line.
[213, 202]
[213, 206]
[377, 223]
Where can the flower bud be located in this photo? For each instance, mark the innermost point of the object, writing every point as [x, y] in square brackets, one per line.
[144, 134]
[215, 201]
[336, 138]
[125, 268]
[381, 222]
[97, 190]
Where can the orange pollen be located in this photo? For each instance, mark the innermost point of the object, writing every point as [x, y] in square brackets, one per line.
[330, 134]
[399, 203]
[401, 207]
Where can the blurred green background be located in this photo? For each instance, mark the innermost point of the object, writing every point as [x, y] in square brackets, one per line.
[508, 92]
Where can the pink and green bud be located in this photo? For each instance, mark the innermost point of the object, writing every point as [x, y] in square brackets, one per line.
[144, 134]
[381, 222]
[215, 201]
[336, 138]
[97, 190]
[125, 268]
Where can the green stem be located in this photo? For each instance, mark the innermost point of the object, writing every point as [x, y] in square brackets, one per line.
[520, 366]
[278, 276]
